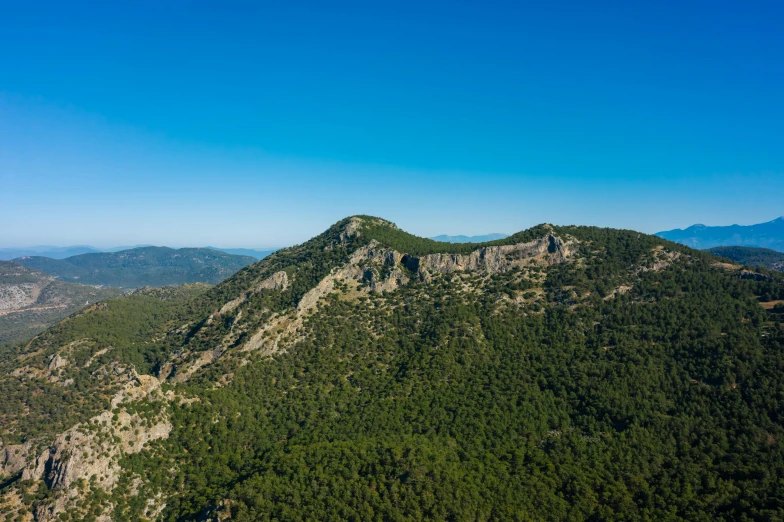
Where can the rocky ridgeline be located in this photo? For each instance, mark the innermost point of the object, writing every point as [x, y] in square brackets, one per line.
[86, 457]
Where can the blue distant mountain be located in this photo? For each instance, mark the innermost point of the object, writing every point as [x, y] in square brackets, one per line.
[763, 235]
[258, 254]
[49, 251]
[469, 239]
[55, 252]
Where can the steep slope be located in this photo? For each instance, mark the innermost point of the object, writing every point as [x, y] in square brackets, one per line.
[31, 301]
[751, 256]
[763, 235]
[561, 373]
[147, 266]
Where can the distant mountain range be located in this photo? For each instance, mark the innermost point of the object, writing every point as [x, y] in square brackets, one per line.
[764, 235]
[46, 251]
[258, 254]
[55, 252]
[31, 301]
[145, 266]
[469, 239]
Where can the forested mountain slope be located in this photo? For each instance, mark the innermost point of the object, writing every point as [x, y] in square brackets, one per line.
[31, 301]
[145, 266]
[751, 256]
[560, 373]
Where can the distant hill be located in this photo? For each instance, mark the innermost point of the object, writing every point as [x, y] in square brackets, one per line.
[469, 239]
[6, 254]
[31, 301]
[147, 266]
[751, 256]
[55, 252]
[257, 254]
[764, 235]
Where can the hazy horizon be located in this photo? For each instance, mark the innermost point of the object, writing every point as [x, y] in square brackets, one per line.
[276, 247]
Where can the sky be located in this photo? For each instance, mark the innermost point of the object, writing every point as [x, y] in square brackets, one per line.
[259, 124]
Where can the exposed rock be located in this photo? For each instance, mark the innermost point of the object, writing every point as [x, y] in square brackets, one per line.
[56, 361]
[380, 269]
[545, 251]
[277, 281]
[13, 458]
[354, 224]
[91, 451]
[662, 258]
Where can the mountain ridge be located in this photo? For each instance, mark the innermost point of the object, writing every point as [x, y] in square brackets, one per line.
[144, 266]
[469, 239]
[763, 235]
[372, 373]
[55, 252]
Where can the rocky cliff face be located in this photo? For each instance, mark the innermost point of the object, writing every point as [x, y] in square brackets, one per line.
[545, 251]
[87, 456]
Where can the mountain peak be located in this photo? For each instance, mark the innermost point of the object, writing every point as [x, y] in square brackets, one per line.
[764, 235]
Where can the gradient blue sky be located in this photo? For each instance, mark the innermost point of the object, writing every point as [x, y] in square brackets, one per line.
[261, 123]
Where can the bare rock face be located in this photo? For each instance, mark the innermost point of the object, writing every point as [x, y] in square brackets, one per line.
[38, 468]
[90, 452]
[13, 458]
[351, 229]
[57, 362]
[277, 281]
[545, 251]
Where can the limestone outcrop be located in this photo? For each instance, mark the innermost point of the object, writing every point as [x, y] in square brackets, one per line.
[545, 251]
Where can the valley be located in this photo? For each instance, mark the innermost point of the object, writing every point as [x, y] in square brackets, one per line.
[30, 300]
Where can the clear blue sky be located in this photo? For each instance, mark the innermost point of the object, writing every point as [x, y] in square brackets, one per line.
[260, 123]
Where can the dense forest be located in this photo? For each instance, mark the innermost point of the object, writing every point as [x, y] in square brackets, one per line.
[143, 266]
[751, 256]
[629, 379]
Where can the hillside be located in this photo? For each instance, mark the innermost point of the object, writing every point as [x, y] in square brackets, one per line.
[146, 266]
[751, 256]
[763, 235]
[31, 301]
[562, 373]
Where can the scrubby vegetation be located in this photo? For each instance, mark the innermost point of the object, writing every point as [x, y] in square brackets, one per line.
[127, 331]
[639, 380]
